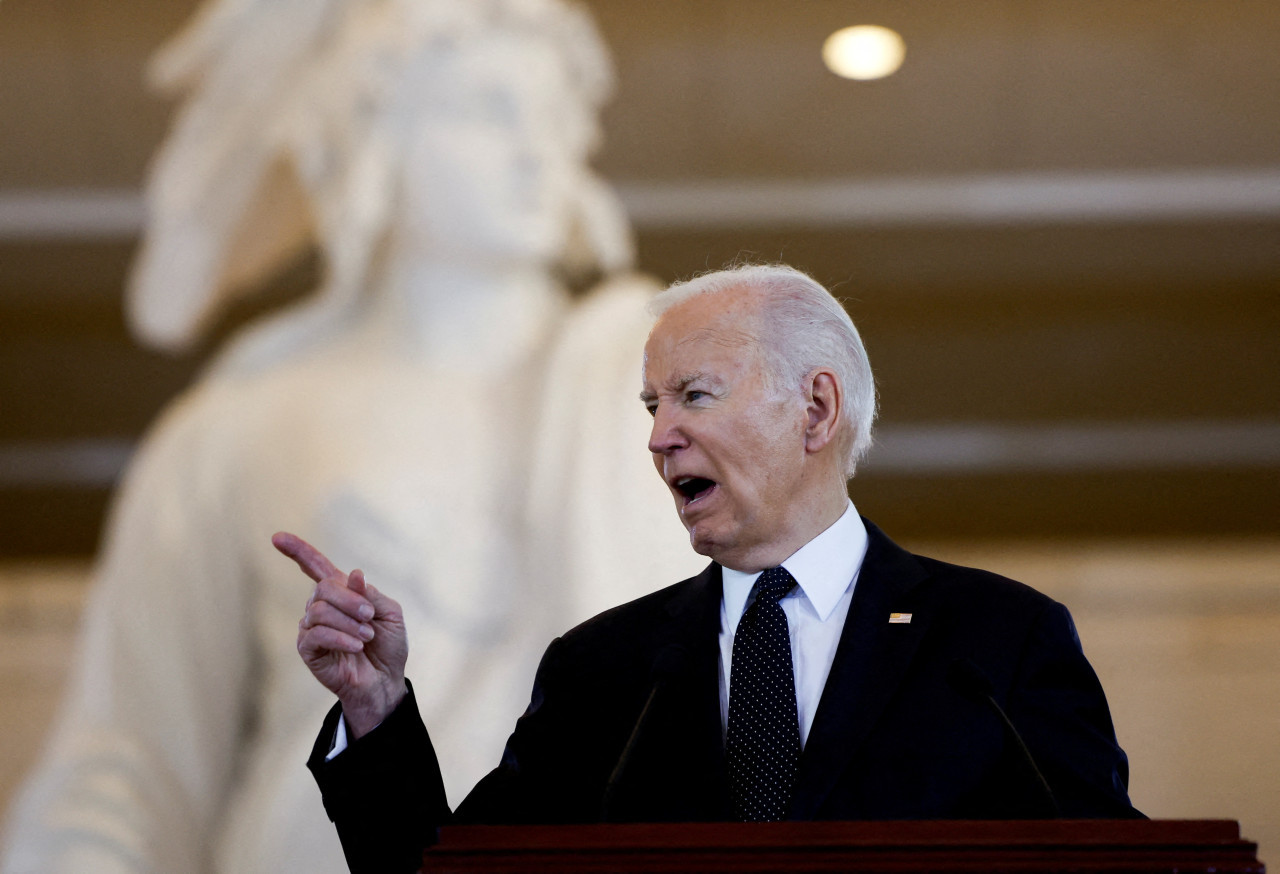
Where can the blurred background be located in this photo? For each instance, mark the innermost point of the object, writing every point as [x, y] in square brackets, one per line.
[1057, 226]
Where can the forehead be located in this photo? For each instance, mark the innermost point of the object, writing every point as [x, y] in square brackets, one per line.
[710, 328]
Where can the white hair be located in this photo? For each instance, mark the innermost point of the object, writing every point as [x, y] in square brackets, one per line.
[807, 328]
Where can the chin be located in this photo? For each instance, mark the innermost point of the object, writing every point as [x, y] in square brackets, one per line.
[704, 544]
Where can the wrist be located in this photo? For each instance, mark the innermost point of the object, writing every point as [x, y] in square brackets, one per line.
[365, 713]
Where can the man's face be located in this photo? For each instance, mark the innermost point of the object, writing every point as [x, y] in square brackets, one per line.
[729, 446]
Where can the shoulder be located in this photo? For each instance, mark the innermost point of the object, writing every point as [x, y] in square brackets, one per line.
[612, 320]
[1021, 638]
[981, 605]
[630, 637]
[192, 441]
[980, 588]
[655, 607]
[620, 625]
[892, 567]
[623, 295]
[953, 599]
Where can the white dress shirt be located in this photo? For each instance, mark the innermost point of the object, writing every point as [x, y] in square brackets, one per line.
[826, 569]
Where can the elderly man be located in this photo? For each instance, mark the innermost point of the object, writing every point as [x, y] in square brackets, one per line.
[814, 670]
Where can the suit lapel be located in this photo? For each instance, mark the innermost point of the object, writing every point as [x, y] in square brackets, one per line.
[690, 780]
[870, 660]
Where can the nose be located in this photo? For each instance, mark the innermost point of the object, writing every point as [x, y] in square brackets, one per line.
[667, 435]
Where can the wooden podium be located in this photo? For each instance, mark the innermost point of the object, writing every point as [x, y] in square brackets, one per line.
[933, 846]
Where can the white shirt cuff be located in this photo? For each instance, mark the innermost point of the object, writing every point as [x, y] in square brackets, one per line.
[339, 739]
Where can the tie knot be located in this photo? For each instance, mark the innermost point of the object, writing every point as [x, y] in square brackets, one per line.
[774, 583]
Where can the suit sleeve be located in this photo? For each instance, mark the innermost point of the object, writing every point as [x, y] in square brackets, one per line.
[384, 792]
[386, 796]
[1058, 705]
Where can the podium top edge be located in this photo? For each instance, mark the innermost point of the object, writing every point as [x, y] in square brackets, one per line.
[864, 834]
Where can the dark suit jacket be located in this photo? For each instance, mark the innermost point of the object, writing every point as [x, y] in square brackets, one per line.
[893, 737]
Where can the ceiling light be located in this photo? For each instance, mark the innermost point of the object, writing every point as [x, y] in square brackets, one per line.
[864, 52]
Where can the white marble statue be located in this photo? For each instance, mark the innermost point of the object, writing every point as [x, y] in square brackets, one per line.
[465, 432]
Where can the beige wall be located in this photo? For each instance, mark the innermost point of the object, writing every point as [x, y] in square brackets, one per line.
[1186, 638]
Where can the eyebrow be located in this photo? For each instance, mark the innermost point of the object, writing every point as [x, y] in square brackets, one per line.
[679, 383]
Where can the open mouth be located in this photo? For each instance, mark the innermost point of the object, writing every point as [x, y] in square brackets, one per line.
[694, 488]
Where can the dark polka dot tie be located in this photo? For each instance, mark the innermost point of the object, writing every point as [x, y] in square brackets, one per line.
[763, 741]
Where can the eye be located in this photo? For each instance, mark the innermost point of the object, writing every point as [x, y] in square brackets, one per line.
[693, 396]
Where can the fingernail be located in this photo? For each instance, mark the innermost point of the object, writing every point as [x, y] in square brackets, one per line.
[366, 612]
[366, 632]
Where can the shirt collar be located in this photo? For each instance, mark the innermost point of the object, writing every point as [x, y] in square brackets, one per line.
[824, 568]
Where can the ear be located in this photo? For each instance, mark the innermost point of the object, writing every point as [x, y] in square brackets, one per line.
[824, 400]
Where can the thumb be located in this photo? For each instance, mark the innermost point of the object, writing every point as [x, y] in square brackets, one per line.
[386, 606]
[356, 582]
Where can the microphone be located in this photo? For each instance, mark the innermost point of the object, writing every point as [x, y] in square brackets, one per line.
[669, 662]
[969, 680]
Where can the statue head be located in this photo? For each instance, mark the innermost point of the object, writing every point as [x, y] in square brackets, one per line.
[457, 129]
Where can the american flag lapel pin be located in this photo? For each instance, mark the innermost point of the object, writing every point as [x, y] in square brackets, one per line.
[899, 618]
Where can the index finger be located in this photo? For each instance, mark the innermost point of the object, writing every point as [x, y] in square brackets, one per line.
[312, 561]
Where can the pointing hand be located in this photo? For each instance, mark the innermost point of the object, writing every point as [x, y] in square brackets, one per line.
[351, 636]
